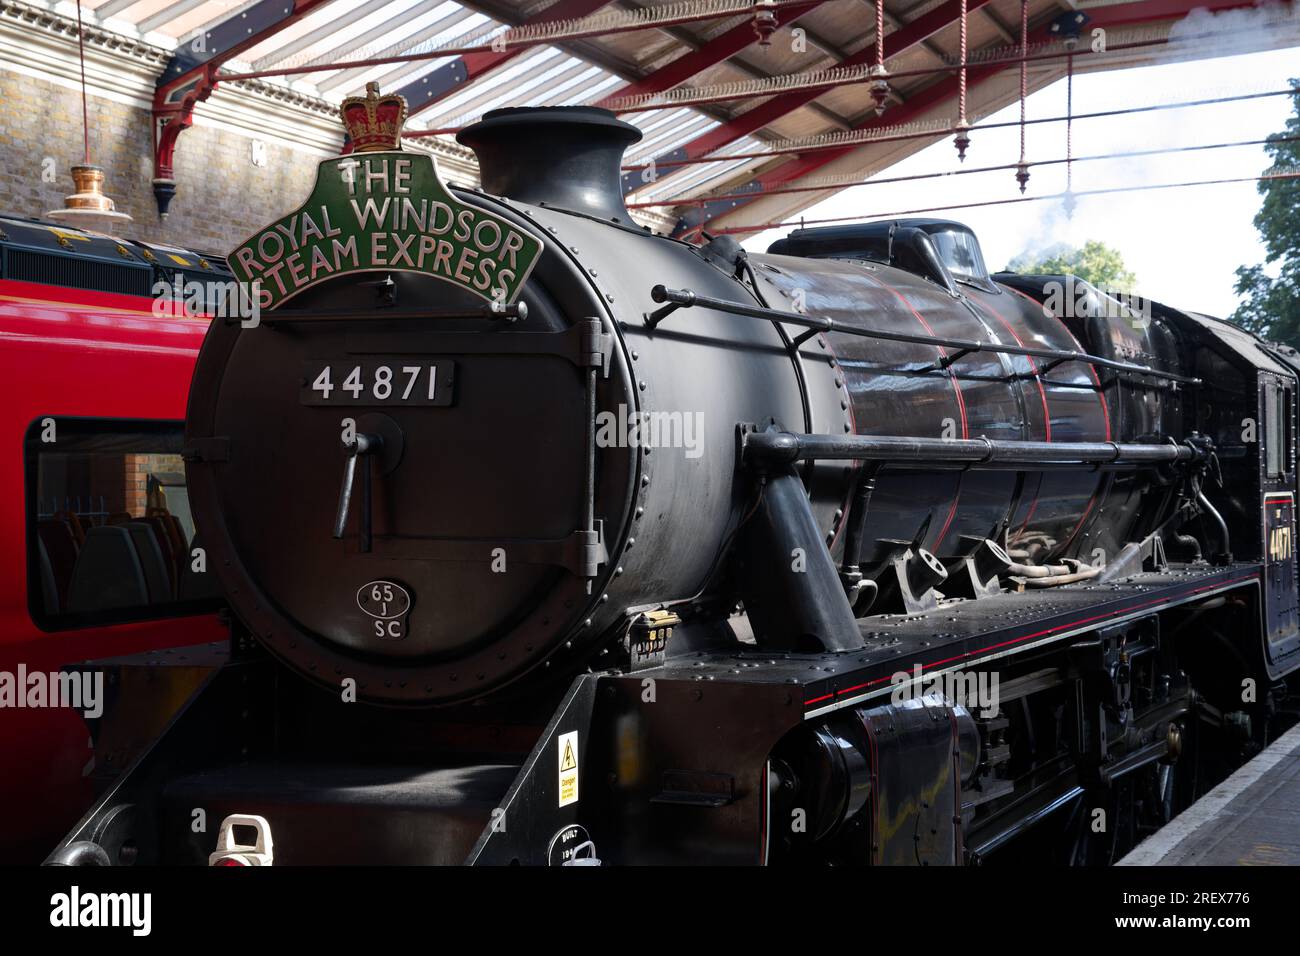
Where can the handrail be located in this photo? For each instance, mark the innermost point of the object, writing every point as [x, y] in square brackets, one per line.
[685, 299]
[773, 449]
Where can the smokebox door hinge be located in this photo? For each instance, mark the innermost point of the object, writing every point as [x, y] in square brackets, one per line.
[597, 345]
[587, 551]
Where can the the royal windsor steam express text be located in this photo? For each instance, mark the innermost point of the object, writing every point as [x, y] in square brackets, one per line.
[384, 222]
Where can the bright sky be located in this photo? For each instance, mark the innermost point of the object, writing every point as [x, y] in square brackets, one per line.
[1183, 244]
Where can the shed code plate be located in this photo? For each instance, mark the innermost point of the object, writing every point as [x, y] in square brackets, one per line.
[401, 380]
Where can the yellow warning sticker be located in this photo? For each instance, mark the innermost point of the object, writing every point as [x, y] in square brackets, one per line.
[567, 747]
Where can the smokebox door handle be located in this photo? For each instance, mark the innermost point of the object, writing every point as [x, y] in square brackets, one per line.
[366, 445]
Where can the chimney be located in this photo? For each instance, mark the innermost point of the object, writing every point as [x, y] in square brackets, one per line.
[568, 157]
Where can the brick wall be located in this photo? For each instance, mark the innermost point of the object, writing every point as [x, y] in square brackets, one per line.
[136, 470]
[221, 196]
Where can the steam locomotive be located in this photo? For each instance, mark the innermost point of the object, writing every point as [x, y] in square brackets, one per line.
[552, 540]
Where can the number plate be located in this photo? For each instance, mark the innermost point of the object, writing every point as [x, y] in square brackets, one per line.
[402, 380]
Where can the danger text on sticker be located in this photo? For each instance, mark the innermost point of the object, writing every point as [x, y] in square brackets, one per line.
[567, 752]
[380, 212]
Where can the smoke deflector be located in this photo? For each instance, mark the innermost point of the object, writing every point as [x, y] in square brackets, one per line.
[569, 157]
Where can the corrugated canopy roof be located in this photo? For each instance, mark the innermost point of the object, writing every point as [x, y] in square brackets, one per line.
[920, 36]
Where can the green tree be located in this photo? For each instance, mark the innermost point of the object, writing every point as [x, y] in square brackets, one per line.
[1096, 262]
[1272, 305]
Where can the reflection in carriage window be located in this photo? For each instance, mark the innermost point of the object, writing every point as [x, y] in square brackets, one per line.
[110, 535]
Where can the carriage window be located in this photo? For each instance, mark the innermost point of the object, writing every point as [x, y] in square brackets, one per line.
[109, 532]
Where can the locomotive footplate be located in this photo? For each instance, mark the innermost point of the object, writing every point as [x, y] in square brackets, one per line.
[943, 640]
[694, 771]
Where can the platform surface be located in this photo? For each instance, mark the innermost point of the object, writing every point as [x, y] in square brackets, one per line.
[1251, 819]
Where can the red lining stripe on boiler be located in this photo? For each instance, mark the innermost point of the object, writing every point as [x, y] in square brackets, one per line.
[1047, 415]
[1105, 418]
[1105, 409]
[956, 388]
[1042, 392]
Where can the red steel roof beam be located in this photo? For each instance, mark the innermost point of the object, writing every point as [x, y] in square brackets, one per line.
[423, 91]
[914, 33]
[1119, 15]
[190, 77]
[715, 51]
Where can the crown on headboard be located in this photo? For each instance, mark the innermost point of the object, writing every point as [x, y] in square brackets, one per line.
[374, 122]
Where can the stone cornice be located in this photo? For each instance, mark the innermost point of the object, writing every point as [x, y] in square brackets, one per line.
[96, 36]
[41, 44]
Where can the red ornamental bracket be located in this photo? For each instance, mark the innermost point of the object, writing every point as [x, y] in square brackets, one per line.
[169, 121]
[191, 75]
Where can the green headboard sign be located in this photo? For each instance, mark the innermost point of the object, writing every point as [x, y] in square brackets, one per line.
[382, 212]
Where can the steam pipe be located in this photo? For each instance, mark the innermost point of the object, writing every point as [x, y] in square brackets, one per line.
[803, 611]
[1225, 555]
[1055, 580]
[857, 518]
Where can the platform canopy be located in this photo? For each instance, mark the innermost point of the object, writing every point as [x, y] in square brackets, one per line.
[733, 77]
